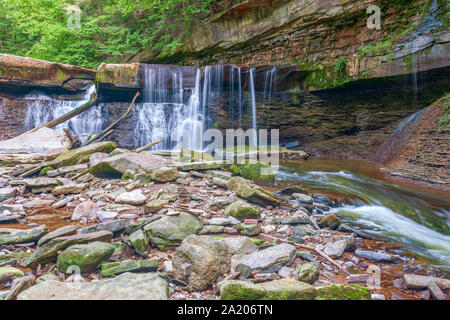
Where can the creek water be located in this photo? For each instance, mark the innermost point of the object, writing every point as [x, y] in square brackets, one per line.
[362, 197]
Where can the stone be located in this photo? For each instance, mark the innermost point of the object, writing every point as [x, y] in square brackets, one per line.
[133, 286]
[335, 249]
[249, 229]
[209, 259]
[128, 174]
[71, 157]
[219, 182]
[114, 268]
[139, 241]
[39, 185]
[115, 166]
[47, 277]
[61, 232]
[307, 272]
[257, 172]
[376, 296]
[239, 245]
[172, 230]
[7, 193]
[164, 174]
[155, 205]
[135, 197]
[241, 210]
[212, 229]
[62, 202]
[16, 236]
[374, 256]
[330, 221]
[267, 260]
[422, 282]
[9, 273]
[74, 189]
[201, 165]
[293, 189]
[224, 175]
[284, 289]
[49, 251]
[114, 226]
[86, 257]
[12, 209]
[105, 216]
[191, 156]
[303, 198]
[284, 272]
[96, 157]
[40, 141]
[64, 170]
[86, 210]
[253, 193]
[436, 292]
[342, 292]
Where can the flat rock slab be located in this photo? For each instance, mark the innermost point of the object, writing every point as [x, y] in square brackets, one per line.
[267, 260]
[127, 286]
[7, 193]
[14, 236]
[61, 232]
[374, 256]
[115, 268]
[422, 282]
[112, 226]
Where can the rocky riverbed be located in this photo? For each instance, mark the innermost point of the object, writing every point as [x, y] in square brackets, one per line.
[99, 222]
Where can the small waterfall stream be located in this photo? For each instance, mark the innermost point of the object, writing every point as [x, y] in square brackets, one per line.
[43, 108]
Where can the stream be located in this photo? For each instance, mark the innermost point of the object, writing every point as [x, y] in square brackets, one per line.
[360, 195]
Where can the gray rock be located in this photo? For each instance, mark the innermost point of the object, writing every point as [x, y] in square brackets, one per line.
[135, 197]
[303, 198]
[307, 272]
[7, 193]
[114, 226]
[61, 232]
[15, 236]
[127, 286]
[374, 256]
[237, 245]
[208, 257]
[422, 282]
[139, 241]
[335, 249]
[267, 260]
[115, 268]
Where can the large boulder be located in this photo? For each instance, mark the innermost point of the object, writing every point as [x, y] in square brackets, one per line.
[72, 157]
[242, 210]
[253, 193]
[343, 292]
[49, 251]
[40, 141]
[86, 257]
[258, 172]
[172, 230]
[127, 286]
[208, 257]
[267, 260]
[15, 236]
[16, 71]
[116, 165]
[284, 289]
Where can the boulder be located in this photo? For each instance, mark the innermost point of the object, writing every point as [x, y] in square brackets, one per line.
[132, 286]
[48, 252]
[284, 289]
[15, 236]
[267, 260]
[240, 245]
[417, 282]
[9, 273]
[258, 172]
[165, 174]
[115, 268]
[303, 198]
[72, 157]
[155, 205]
[115, 166]
[40, 141]
[7, 193]
[335, 249]
[242, 210]
[135, 197]
[86, 210]
[343, 292]
[139, 241]
[208, 257]
[248, 229]
[330, 221]
[253, 193]
[86, 257]
[61, 232]
[172, 230]
[111, 226]
[307, 272]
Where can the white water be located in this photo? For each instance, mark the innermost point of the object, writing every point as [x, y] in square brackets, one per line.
[253, 101]
[42, 109]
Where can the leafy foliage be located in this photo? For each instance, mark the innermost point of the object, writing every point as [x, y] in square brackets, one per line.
[445, 119]
[110, 30]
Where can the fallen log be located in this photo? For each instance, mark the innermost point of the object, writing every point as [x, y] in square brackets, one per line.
[148, 146]
[69, 115]
[102, 133]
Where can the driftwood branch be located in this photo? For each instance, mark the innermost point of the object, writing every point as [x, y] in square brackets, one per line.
[319, 252]
[148, 146]
[102, 133]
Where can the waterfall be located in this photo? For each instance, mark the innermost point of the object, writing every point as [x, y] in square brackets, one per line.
[253, 102]
[390, 148]
[269, 84]
[42, 109]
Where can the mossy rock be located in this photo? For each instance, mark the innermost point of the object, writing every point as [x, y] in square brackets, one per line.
[45, 170]
[115, 268]
[193, 156]
[253, 193]
[242, 210]
[343, 292]
[72, 157]
[258, 172]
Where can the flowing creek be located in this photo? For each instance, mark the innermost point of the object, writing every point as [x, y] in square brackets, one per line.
[362, 197]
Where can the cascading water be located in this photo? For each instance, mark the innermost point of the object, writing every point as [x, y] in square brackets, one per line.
[253, 101]
[269, 84]
[42, 109]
